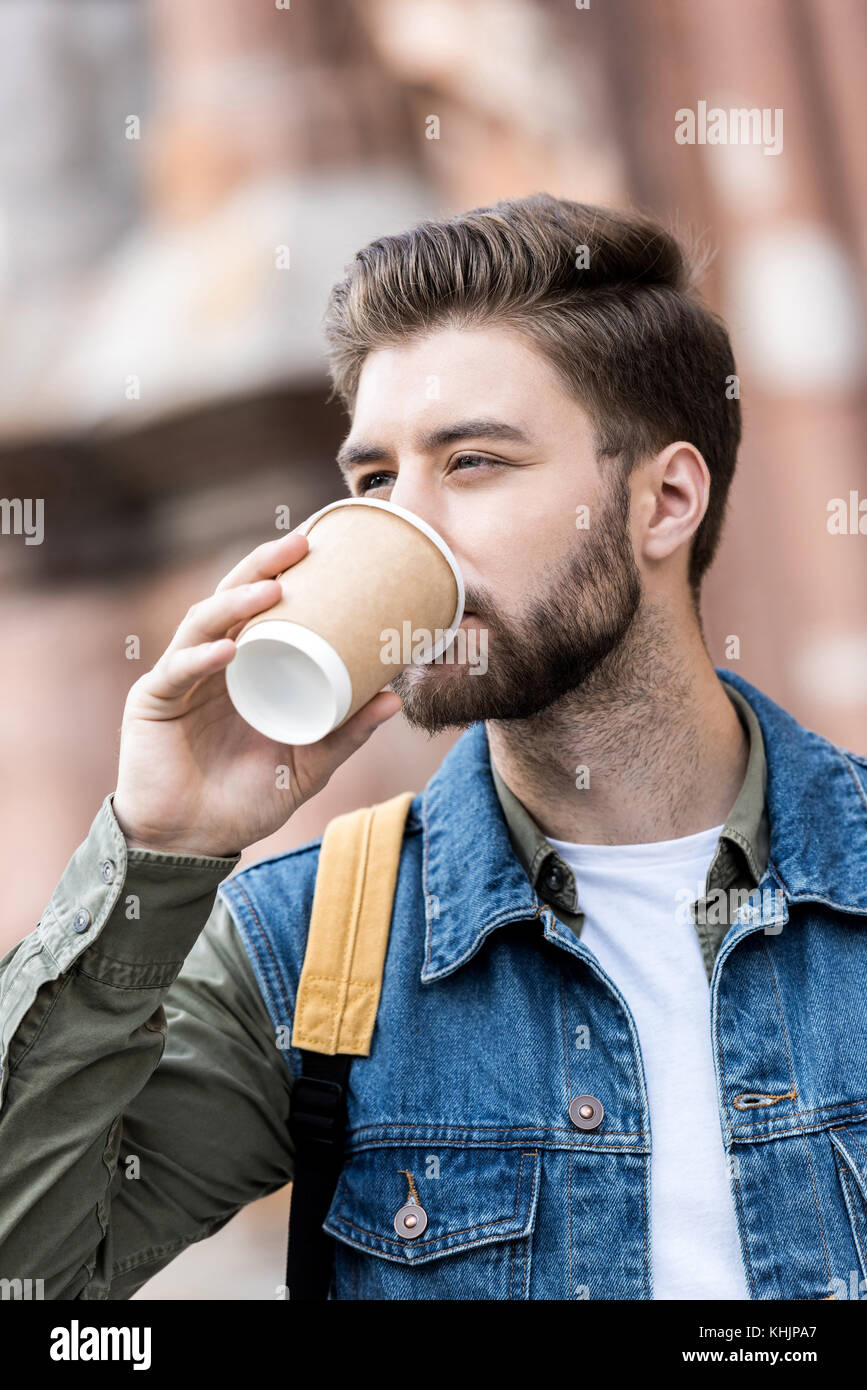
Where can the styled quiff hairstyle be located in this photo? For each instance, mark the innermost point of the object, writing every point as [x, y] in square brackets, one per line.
[628, 334]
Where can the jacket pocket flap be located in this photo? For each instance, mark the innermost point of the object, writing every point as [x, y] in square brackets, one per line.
[466, 1197]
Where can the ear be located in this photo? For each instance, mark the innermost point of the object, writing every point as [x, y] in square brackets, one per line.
[674, 490]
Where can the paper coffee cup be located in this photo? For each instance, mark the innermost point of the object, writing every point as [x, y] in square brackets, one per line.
[304, 666]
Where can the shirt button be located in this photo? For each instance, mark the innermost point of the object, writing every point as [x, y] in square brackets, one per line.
[410, 1221]
[586, 1112]
[82, 920]
[554, 879]
[108, 869]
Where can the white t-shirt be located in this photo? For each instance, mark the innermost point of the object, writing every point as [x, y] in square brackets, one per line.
[636, 927]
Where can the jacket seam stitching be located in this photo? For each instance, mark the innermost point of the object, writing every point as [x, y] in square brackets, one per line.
[856, 780]
[568, 1101]
[264, 938]
[818, 1127]
[498, 1129]
[770, 967]
[858, 1234]
[799, 1114]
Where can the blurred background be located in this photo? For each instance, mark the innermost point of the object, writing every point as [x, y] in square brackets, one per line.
[181, 181]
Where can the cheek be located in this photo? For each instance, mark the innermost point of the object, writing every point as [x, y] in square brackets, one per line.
[511, 545]
[497, 556]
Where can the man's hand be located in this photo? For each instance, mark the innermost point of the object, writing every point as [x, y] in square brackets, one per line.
[193, 775]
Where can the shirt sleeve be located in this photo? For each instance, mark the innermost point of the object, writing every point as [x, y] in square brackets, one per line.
[143, 1097]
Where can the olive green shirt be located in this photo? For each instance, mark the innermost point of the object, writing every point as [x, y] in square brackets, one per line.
[143, 1097]
[738, 865]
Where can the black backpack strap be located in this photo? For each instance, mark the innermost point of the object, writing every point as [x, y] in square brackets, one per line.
[317, 1126]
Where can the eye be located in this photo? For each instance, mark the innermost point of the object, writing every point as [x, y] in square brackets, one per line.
[366, 483]
[370, 481]
[471, 459]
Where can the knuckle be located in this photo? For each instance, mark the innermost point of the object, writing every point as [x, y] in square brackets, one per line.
[134, 691]
[158, 669]
[138, 691]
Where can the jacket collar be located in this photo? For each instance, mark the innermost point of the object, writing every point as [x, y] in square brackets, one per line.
[817, 806]
[474, 883]
[742, 851]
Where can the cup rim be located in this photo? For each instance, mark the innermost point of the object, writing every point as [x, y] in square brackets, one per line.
[323, 655]
[432, 535]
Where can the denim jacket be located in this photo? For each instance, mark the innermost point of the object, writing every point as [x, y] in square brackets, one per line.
[463, 1104]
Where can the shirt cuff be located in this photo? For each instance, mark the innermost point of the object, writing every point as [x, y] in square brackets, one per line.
[129, 917]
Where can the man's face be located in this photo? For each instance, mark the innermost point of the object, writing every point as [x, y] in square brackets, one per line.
[472, 430]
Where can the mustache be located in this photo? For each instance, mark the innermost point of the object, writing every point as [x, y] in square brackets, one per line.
[481, 605]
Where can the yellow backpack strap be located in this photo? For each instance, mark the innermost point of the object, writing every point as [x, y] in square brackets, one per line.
[341, 980]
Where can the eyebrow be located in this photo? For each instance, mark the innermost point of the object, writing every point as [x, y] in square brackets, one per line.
[351, 456]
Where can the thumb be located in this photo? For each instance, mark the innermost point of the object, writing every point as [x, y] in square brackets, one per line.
[379, 710]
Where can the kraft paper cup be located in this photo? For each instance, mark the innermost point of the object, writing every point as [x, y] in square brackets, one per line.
[304, 666]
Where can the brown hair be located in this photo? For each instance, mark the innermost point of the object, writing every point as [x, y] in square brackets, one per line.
[628, 333]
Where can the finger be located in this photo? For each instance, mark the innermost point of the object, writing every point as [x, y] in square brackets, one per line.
[235, 630]
[177, 671]
[266, 561]
[378, 710]
[219, 614]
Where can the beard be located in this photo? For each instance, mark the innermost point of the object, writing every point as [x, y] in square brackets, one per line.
[574, 630]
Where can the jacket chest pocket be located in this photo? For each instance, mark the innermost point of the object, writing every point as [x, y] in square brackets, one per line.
[850, 1152]
[434, 1222]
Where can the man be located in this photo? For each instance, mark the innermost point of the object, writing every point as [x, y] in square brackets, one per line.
[620, 1050]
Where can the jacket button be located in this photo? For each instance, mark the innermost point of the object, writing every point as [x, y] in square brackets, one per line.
[410, 1221]
[108, 869]
[82, 920]
[586, 1112]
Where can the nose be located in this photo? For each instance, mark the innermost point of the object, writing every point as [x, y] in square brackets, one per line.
[419, 496]
[422, 501]
[411, 492]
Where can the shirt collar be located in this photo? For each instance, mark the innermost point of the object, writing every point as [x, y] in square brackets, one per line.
[742, 848]
[747, 828]
[474, 882]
